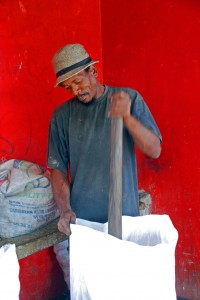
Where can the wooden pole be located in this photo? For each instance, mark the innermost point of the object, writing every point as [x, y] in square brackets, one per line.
[115, 190]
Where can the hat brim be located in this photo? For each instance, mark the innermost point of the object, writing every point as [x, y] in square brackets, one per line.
[73, 72]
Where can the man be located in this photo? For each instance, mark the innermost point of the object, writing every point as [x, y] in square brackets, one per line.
[79, 140]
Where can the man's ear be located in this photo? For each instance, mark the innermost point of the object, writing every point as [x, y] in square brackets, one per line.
[93, 71]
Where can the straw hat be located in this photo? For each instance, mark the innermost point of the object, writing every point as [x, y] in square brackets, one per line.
[69, 61]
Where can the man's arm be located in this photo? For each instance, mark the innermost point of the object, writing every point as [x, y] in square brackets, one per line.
[145, 139]
[61, 192]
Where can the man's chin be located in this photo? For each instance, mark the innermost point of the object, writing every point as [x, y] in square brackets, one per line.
[84, 99]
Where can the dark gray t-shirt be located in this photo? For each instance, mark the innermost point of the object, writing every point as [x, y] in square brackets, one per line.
[79, 139]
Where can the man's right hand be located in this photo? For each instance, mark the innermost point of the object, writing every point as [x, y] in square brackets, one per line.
[66, 218]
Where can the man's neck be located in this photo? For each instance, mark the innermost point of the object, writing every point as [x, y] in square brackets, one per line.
[100, 90]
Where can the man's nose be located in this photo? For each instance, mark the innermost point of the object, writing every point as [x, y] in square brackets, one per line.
[75, 90]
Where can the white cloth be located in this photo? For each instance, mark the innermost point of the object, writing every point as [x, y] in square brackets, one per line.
[139, 267]
[9, 273]
[62, 255]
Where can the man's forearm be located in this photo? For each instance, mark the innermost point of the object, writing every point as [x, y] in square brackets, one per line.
[61, 190]
[144, 138]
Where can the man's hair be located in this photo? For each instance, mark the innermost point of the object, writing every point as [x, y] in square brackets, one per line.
[87, 69]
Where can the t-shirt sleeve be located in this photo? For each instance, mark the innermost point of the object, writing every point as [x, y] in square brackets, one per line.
[140, 110]
[57, 155]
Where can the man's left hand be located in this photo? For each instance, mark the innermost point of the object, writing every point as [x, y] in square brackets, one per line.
[120, 105]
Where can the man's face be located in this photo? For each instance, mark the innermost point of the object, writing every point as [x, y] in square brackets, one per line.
[83, 85]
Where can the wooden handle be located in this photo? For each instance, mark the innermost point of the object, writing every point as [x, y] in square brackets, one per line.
[115, 189]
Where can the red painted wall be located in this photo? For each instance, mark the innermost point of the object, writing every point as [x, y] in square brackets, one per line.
[154, 47]
[30, 33]
[40, 276]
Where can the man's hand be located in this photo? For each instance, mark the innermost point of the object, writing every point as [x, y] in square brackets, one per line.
[66, 218]
[120, 104]
[146, 140]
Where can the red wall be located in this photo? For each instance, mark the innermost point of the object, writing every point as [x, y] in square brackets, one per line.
[30, 33]
[154, 47]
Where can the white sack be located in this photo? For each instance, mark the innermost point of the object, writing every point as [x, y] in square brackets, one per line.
[9, 273]
[26, 199]
[61, 251]
[139, 267]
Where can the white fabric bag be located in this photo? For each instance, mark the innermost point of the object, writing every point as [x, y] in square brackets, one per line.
[26, 199]
[9, 273]
[61, 251]
[139, 267]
